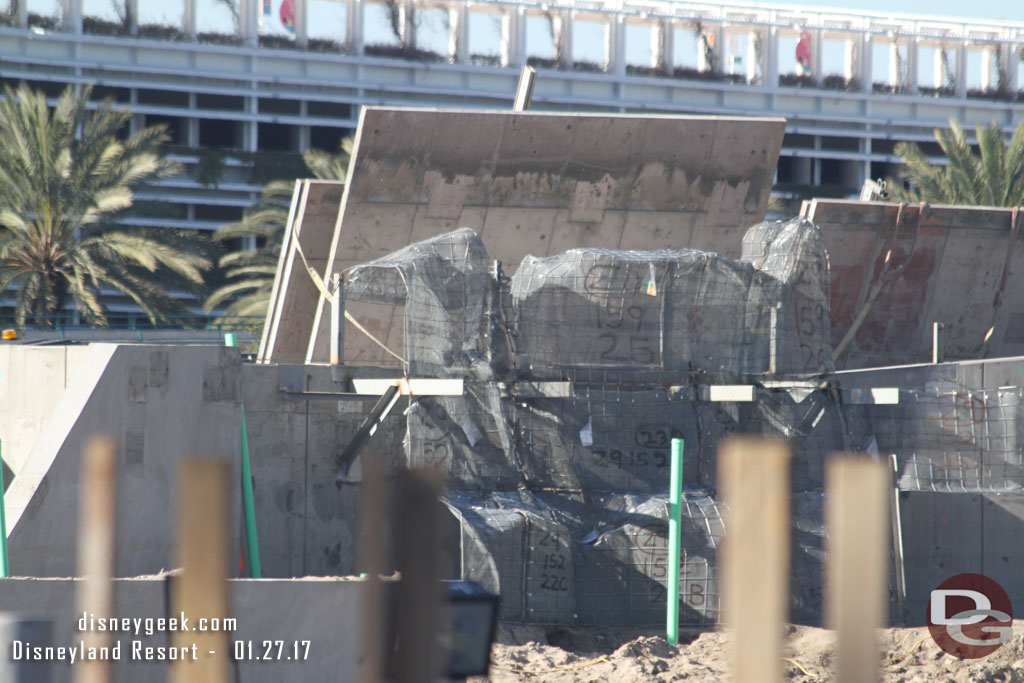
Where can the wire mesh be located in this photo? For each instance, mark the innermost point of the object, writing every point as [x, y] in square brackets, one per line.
[950, 438]
[580, 370]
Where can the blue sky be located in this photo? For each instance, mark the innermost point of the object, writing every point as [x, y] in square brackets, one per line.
[1006, 10]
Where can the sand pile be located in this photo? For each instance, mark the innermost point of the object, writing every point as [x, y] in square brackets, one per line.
[578, 655]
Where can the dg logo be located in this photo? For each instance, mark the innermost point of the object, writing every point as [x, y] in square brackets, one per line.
[970, 616]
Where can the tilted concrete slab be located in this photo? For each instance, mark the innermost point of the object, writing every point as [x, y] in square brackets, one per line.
[946, 268]
[160, 404]
[325, 612]
[311, 220]
[534, 183]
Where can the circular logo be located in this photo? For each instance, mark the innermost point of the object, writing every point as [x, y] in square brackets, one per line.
[969, 616]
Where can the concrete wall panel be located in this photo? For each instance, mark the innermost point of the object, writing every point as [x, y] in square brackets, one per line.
[314, 213]
[494, 171]
[945, 534]
[940, 539]
[308, 519]
[160, 404]
[948, 269]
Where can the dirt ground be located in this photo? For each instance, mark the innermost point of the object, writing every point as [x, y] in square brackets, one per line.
[585, 656]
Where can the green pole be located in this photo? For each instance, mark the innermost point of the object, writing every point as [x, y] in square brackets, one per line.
[5, 565]
[248, 505]
[675, 518]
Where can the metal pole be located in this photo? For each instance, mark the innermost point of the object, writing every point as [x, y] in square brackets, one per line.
[248, 503]
[675, 514]
[935, 342]
[337, 345]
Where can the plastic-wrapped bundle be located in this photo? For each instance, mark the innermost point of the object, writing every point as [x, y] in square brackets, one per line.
[512, 546]
[557, 493]
[444, 285]
[678, 311]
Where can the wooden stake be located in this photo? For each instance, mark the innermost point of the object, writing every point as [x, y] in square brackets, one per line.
[202, 591]
[97, 550]
[417, 527]
[754, 483]
[374, 508]
[856, 512]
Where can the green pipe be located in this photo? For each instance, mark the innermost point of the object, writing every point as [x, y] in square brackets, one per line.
[675, 518]
[5, 565]
[248, 505]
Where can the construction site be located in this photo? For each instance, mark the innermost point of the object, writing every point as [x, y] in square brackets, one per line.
[486, 355]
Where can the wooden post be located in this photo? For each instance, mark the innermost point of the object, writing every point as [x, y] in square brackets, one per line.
[374, 506]
[202, 590]
[856, 505]
[417, 549]
[97, 525]
[524, 92]
[754, 483]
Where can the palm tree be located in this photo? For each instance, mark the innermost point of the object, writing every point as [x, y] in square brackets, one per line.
[249, 274]
[994, 177]
[63, 174]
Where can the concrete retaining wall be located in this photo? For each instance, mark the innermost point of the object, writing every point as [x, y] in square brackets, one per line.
[160, 404]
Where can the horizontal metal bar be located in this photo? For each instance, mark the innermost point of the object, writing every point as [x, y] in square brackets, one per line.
[325, 396]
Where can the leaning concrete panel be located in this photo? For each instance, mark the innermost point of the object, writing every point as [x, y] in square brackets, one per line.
[325, 612]
[314, 211]
[955, 265]
[537, 183]
[160, 404]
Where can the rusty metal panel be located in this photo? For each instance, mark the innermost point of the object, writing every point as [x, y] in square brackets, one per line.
[946, 268]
